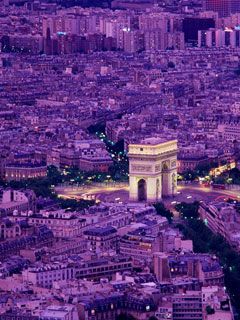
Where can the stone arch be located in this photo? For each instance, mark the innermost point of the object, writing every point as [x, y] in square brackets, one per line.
[142, 190]
[157, 189]
[151, 160]
[174, 182]
[165, 166]
[166, 179]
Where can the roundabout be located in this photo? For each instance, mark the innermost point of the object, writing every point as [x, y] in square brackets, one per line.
[119, 192]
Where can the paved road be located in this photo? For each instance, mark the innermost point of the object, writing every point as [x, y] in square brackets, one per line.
[190, 193]
[101, 192]
[119, 193]
[206, 194]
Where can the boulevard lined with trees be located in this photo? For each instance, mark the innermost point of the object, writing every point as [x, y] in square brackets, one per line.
[205, 241]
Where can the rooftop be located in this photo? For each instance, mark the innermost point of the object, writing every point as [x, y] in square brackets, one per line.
[100, 231]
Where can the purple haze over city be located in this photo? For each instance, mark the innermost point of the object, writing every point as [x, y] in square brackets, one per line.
[119, 159]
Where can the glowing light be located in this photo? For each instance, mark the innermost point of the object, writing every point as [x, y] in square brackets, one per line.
[61, 33]
[228, 29]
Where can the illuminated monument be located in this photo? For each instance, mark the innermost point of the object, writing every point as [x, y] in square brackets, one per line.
[152, 169]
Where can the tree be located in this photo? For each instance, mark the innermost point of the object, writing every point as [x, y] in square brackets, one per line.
[210, 310]
[118, 146]
[220, 179]
[205, 241]
[98, 127]
[223, 162]
[162, 211]
[54, 175]
[188, 210]
[203, 169]
[73, 205]
[234, 174]
[171, 64]
[189, 175]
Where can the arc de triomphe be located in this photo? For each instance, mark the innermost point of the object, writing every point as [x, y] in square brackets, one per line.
[152, 169]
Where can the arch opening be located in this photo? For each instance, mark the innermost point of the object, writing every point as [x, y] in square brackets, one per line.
[142, 190]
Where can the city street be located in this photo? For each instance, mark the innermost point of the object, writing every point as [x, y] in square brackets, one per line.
[119, 193]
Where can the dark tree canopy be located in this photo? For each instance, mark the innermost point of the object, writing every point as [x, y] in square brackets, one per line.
[162, 211]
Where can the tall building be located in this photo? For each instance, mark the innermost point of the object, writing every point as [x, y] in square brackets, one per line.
[161, 267]
[153, 40]
[133, 41]
[187, 306]
[235, 6]
[219, 38]
[191, 26]
[223, 7]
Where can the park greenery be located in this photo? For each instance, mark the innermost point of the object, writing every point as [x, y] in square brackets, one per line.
[44, 188]
[200, 171]
[229, 177]
[119, 168]
[162, 211]
[188, 210]
[205, 241]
